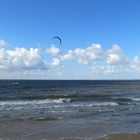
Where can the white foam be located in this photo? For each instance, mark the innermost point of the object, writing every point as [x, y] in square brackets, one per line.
[96, 104]
[35, 102]
[135, 99]
[50, 104]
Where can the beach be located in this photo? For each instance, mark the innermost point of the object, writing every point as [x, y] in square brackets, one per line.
[69, 110]
[64, 130]
[122, 137]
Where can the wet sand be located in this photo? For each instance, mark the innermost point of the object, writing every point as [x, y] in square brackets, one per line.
[121, 137]
[74, 129]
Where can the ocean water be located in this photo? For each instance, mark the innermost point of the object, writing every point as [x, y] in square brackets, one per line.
[93, 108]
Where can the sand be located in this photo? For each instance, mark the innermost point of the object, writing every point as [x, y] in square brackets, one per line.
[121, 137]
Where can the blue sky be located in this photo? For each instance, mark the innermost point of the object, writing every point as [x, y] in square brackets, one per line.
[81, 24]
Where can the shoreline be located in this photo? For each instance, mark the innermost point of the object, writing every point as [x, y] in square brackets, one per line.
[121, 136]
[75, 129]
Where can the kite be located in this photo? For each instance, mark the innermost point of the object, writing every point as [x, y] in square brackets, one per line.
[56, 37]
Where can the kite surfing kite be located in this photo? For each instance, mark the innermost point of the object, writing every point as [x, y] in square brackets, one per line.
[57, 37]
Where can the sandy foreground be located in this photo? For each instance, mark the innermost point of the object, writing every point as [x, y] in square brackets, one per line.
[61, 130]
[122, 137]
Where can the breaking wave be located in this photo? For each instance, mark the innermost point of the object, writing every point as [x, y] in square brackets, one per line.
[23, 102]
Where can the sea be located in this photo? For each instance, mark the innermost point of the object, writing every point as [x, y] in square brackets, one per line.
[68, 109]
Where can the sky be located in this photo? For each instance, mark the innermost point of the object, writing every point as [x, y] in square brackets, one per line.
[100, 39]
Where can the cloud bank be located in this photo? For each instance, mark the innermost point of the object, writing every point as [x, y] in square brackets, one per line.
[94, 57]
[20, 59]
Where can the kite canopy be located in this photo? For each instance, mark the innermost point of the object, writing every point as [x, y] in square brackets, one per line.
[57, 37]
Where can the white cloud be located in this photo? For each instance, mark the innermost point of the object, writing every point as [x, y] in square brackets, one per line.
[80, 52]
[97, 70]
[83, 62]
[67, 57]
[21, 58]
[53, 51]
[95, 52]
[3, 43]
[135, 65]
[3, 54]
[56, 62]
[85, 55]
[115, 56]
[99, 61]
[111, 70]
[90, 55]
